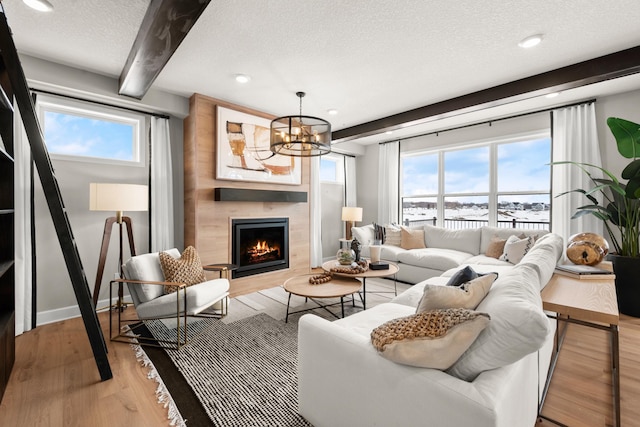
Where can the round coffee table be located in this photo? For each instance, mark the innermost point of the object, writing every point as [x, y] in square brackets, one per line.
[391, 271]
[337, 287]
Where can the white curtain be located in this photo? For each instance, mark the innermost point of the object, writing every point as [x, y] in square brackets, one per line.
[161, 203]
[575, 138]
[351, 197]
[22, 224]
[315, 204]
[388, 171]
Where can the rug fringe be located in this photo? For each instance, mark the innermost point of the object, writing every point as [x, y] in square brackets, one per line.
[162, 393]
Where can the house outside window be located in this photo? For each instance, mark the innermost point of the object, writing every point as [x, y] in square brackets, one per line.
[503, 183]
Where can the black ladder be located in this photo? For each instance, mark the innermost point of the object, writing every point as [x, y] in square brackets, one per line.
[54, 198]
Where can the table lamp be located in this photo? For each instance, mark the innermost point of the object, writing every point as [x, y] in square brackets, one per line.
[351, 215]
[116, 198]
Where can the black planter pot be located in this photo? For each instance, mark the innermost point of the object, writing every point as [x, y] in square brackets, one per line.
[627, 271]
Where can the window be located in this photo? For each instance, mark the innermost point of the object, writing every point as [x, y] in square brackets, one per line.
[76, 130]
[503, 183]
[332, 169]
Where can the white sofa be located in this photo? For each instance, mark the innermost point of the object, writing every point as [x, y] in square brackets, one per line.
[445, 249]
[343, 381]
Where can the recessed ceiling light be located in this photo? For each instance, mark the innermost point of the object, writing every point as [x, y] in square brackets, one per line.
[242, 78]
[332, 112]
[552, 95]
[389, 132]
[40, 5]
[531, 41]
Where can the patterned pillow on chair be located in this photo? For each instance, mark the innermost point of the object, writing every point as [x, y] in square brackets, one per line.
[186, 269]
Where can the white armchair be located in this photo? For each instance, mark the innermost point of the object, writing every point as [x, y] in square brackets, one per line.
[146, 283]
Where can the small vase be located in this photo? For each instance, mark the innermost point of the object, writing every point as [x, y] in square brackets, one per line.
[345, 254]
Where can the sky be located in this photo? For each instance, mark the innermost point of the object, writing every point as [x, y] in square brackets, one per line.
[522, 166]
[73, 135]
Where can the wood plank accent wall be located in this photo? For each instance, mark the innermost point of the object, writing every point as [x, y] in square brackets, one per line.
[208, 223]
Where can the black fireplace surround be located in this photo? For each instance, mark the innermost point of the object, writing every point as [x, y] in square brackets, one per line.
[259, 245]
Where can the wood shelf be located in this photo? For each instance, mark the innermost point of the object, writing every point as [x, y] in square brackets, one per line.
[250, 195]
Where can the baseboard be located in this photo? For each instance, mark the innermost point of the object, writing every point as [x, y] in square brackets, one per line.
[64, 313]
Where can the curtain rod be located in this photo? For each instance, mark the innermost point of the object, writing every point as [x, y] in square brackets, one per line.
[589, 101]
[105, 104]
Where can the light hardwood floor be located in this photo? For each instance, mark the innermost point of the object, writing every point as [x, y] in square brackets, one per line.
[55, 381]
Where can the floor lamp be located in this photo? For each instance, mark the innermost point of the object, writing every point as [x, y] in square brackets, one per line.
[116, 198]
[351, 215]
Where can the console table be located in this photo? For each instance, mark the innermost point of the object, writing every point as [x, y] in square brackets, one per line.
[587, 302]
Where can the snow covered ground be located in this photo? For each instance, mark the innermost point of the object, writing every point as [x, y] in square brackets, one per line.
[477, 214]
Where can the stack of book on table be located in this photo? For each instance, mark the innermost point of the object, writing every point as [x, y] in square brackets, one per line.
[584, 271]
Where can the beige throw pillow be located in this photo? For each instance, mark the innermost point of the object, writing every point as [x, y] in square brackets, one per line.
[411, 239]
[469, 295]
[433, 339]
[496, 247]
[187, 269]
[516, 248]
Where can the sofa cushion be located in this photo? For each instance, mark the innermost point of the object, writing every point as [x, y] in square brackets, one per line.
[544, 256]
[518, 325]
[435, 258]
[516, 248]
[432, 339]
[413, 295]
[199, 297]
[363, 322]
[146, 267]
[469, 295]
[364, 234]
[464, 240]
[391, 252]
[185, 269]
[486, 260]
[487, 233]
[411, 239]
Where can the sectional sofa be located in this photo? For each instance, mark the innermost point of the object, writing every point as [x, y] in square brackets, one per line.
[497, 382]
[444, 249]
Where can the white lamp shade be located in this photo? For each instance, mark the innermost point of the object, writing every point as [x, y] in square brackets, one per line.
[351, 214]
[118, 197]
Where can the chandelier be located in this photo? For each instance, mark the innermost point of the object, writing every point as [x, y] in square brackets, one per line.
[300, 136]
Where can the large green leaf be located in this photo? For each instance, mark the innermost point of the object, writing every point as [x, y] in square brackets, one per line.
[632, 170]
[633, 188]
[627, 136]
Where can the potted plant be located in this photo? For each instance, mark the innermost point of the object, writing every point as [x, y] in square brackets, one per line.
[620, 212]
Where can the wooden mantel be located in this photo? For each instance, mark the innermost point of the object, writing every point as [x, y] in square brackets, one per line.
[208, 222]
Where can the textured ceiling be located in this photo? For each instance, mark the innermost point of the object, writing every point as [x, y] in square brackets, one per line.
[367, 59]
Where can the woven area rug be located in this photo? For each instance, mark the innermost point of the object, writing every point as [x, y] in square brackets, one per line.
[242, 373]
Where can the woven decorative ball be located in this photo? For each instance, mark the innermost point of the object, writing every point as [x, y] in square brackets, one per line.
[587, 248]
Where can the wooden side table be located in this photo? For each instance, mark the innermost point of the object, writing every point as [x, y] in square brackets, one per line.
[224, 269]
[337, 287]
[588, 302]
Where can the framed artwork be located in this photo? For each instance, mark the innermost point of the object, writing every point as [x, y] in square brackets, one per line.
[243, 154]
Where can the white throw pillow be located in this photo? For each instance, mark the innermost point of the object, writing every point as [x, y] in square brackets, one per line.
[393, 235]
[516, 248]
[469, 295]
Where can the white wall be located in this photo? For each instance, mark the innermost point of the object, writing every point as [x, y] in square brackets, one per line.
[55, 297]
[625, 106]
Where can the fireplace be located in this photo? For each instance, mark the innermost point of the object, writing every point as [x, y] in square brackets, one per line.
[259, 245]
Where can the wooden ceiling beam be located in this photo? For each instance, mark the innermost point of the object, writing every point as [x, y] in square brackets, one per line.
[618, 64]
[165, 24]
